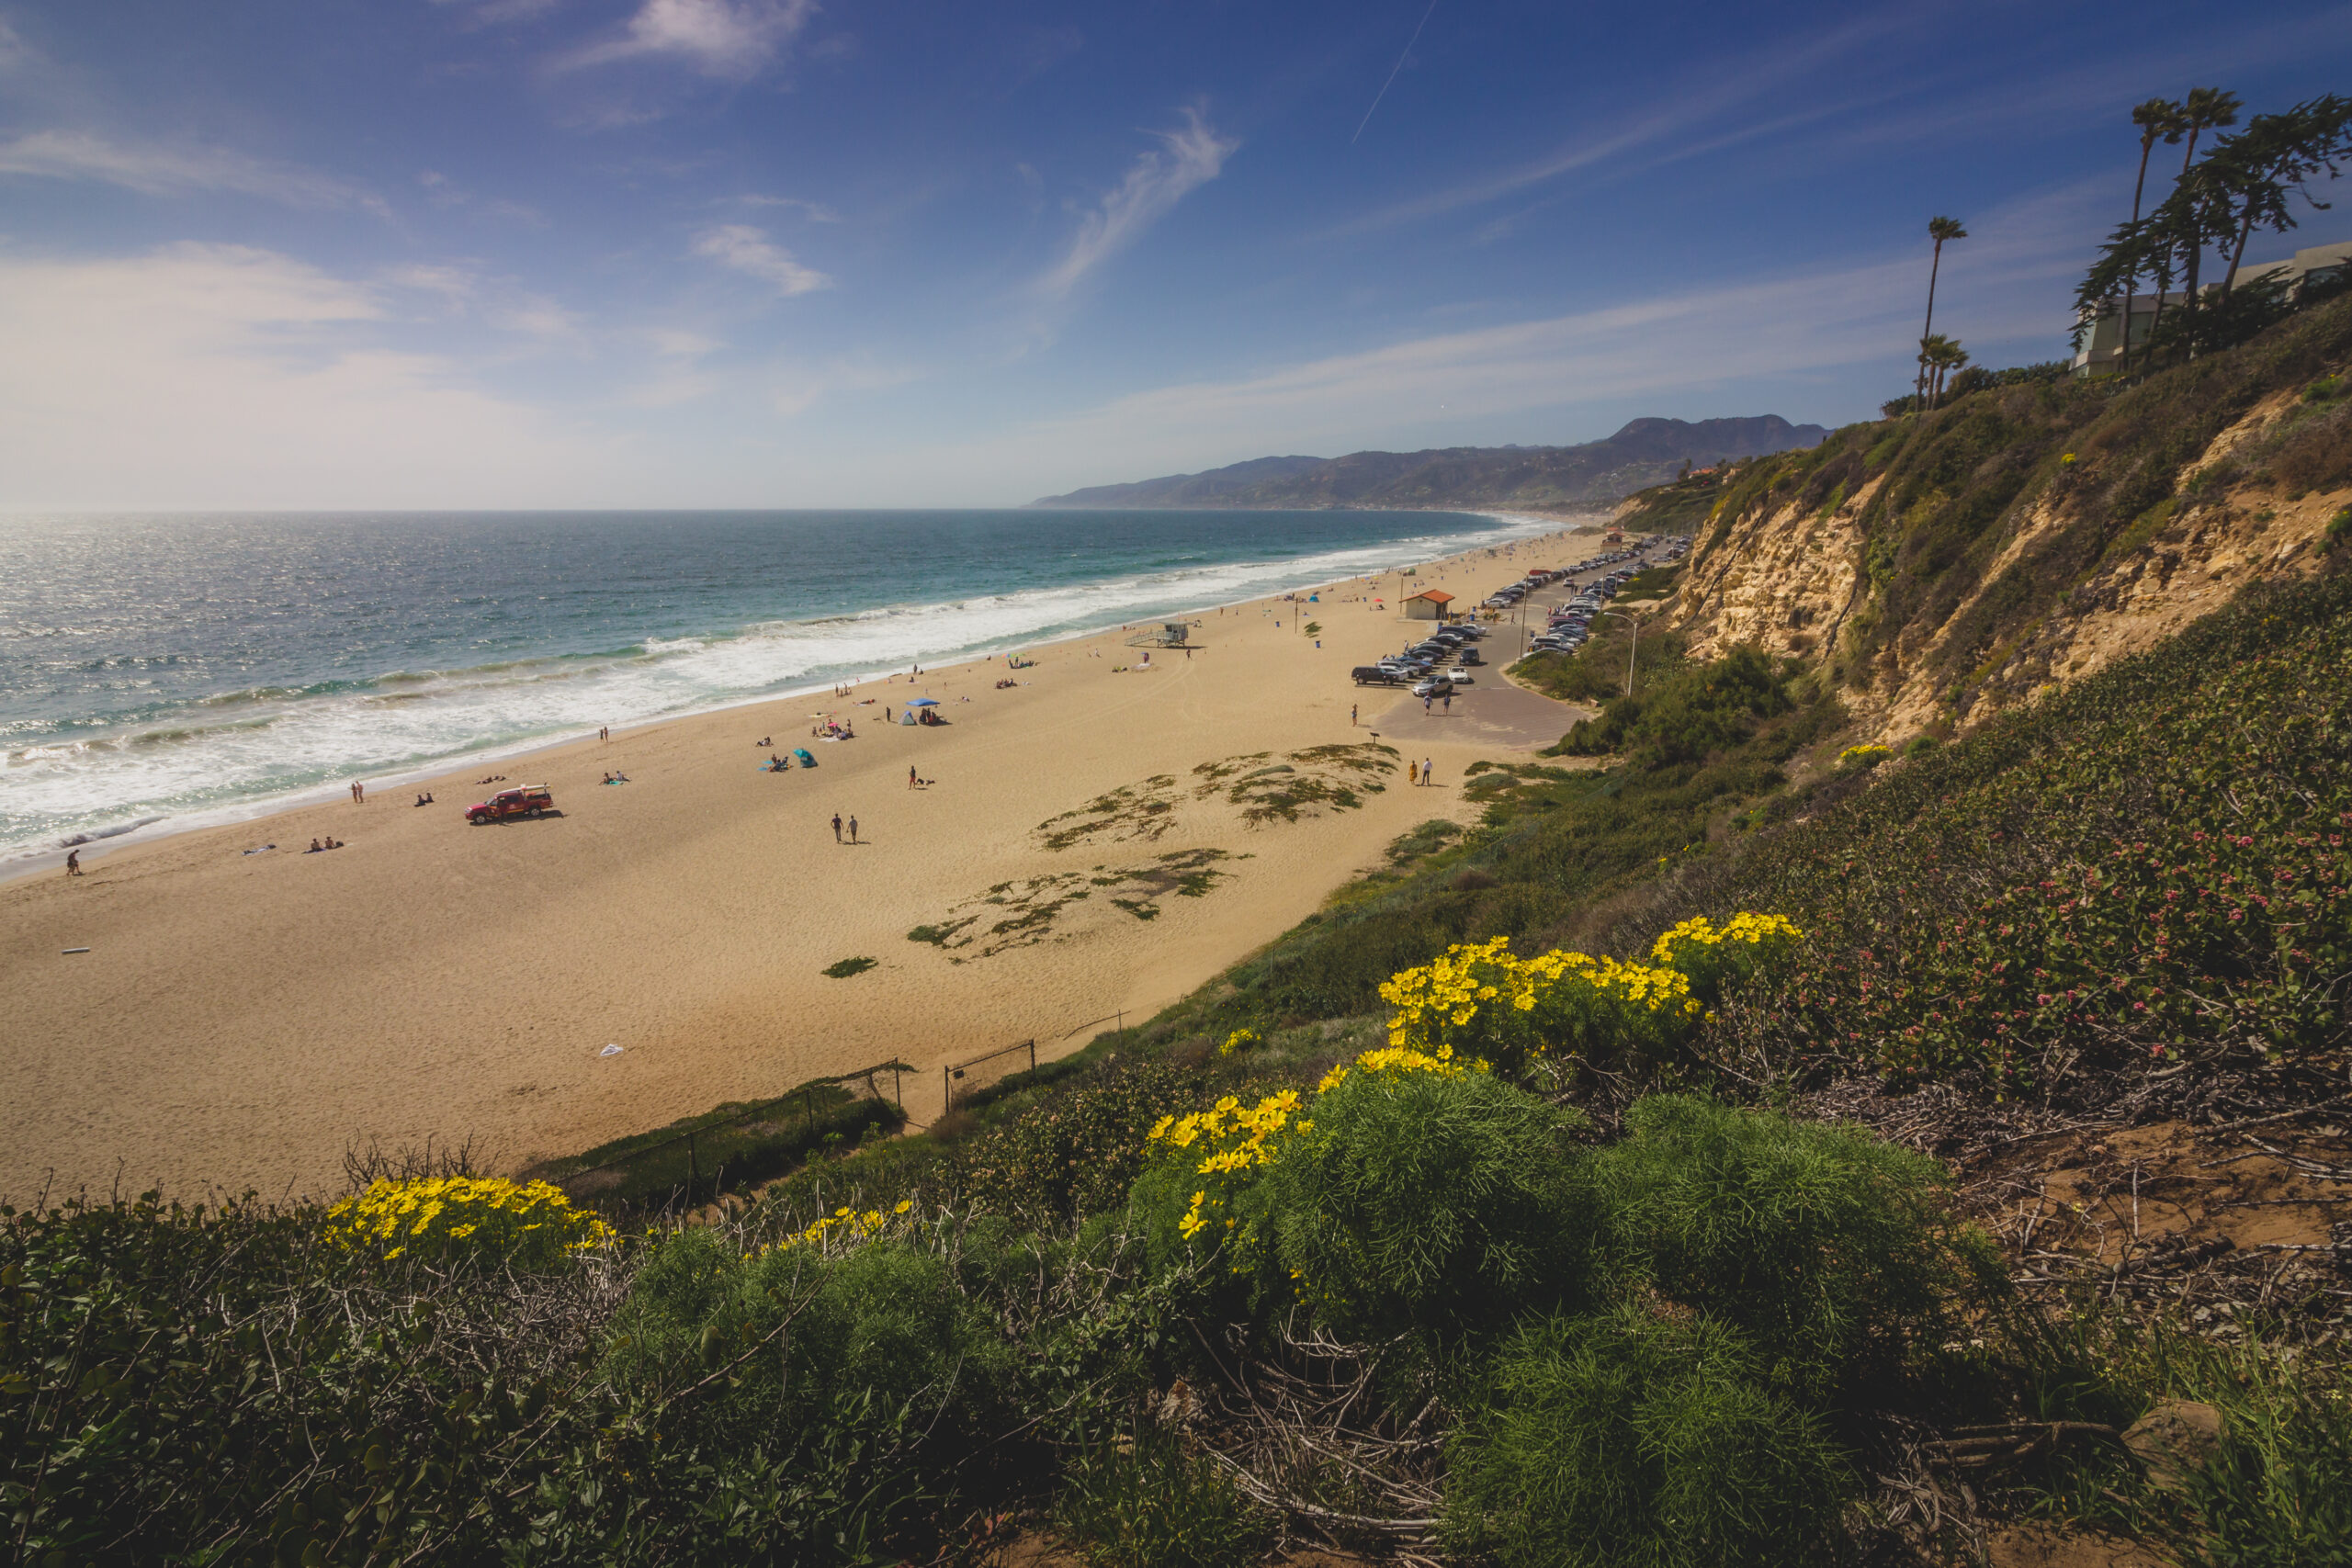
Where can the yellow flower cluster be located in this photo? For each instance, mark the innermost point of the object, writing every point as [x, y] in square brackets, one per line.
[1240, 1039]
[845, 1228]
[1399, 1059]
[1234, 1141]
[482, 1214]
[1481, 997]
[1865, 753]
[1675, 947]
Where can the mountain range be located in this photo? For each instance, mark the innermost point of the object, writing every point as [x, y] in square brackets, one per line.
[1646, 452]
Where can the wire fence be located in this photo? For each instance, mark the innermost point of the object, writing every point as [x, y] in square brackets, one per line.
[960, 1081]
[734, 1145]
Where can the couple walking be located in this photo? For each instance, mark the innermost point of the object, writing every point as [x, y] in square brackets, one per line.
[1421, 772]
[837, 829]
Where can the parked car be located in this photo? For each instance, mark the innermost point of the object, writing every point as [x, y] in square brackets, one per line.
[1470, 656]
[530, 800]
[1376, 675]
[1459, 677]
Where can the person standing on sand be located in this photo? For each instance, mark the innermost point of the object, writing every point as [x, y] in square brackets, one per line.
[853, 829]
[910, 775]
[1352, 715]
[1429, 772]
[837, 827]
[72, 863]
[1412, 773]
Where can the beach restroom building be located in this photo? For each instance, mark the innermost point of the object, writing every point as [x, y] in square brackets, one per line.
[1428, 606]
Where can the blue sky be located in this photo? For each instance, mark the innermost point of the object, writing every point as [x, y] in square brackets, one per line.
[392, 254]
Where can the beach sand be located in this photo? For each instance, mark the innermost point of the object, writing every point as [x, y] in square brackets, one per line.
[241, 1021]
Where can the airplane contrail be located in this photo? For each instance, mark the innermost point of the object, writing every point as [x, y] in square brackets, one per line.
[1392, 75]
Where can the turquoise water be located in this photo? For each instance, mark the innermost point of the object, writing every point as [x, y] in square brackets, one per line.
[158, 672]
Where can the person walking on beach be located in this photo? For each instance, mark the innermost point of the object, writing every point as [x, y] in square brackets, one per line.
[837, 827]
[853, 829]
[72, 863]
[1429, 772]
[1448, 703]
[603, 732]
[1352, 715]
[910, 775]
[1412, 773]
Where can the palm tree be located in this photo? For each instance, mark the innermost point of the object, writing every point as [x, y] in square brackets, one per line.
[1941, 355]
[2157, 118]
[2206, 108]
[1939, 229]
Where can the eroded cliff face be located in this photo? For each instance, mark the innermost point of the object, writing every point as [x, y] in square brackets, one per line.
[1794, 577]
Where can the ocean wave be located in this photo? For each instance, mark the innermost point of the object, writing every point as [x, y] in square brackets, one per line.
[287, 739]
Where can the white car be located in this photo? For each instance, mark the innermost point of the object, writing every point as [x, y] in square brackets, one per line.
[1457, 677]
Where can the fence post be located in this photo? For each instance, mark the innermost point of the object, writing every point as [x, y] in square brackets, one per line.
[1033, 1055]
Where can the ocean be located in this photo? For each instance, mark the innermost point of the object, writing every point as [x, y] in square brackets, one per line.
[161, 673]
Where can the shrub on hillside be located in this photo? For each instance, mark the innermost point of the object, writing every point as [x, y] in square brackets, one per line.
[1631, 1440]
[1700, 709]
[1443, 1204]
[1834, 1252]
[464, 1219]
[787, 1344]
[1560, 1009]
[2149, 868]
[1078, 1151]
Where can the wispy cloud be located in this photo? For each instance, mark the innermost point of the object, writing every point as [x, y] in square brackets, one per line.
[742, 248]
[1186, 159]
[1699, 104]
[172, 171]
[815, 212]
[2008, 286]
[733, 39]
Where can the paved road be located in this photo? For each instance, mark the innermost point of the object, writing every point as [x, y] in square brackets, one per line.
[1497, 713]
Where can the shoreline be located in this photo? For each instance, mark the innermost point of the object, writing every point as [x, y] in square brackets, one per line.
[261, 808]
[244, 1019]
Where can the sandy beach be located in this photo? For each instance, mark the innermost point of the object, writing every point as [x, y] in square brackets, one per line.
[1099, 838]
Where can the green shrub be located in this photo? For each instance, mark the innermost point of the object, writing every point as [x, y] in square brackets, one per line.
[1077, 1151]
[882, 1326]
[1152, 1504]
[1415, 1201]
[1701, 709]
[1632, 1441]
[733, 1147]
[1834, 1252]
[2149, 867]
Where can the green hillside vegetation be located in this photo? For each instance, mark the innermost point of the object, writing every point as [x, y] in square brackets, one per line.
[1514, 1255]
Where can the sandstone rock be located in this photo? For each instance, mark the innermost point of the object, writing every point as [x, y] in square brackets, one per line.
[2173, 1439]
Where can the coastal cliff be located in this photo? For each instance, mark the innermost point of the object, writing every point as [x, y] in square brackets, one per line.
[1942, 568]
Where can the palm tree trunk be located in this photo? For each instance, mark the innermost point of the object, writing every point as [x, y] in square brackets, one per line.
[2237, 252]
[2130, 279]
[1934, 266]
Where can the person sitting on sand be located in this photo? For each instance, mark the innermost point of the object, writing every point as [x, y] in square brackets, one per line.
[315, 848]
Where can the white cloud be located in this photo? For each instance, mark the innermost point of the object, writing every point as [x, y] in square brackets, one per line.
[742, 248]
[735, 39]
[1186, 159]
[171, 171]
[223, 376]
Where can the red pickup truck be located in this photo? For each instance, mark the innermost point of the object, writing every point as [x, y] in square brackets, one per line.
[531, 800]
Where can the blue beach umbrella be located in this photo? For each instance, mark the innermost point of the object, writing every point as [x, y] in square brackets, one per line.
[925, 703]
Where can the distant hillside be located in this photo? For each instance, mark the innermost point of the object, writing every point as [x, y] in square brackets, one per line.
[1647, 452]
